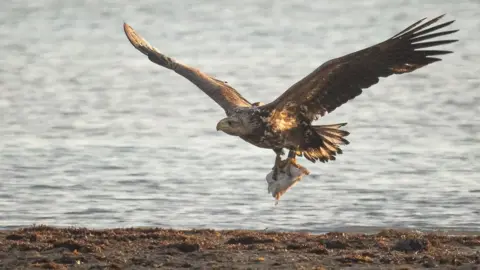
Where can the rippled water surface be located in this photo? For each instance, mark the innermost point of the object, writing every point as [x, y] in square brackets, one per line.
[93, 134]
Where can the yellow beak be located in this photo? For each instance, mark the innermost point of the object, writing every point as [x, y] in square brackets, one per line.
[222, 124]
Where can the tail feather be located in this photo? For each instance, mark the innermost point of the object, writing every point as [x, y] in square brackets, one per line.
[326, 142]
[333, 133]
[331, 126]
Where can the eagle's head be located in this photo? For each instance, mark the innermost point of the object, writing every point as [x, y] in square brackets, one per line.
[233, 125]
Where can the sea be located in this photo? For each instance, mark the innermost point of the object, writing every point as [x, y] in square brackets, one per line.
[93, 134]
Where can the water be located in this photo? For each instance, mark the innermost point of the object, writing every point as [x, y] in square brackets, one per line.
[93, 134]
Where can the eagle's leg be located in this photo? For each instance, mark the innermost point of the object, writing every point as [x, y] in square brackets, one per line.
[278, 161]
[291, 160]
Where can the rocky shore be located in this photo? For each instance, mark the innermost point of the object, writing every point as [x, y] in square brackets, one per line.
[42, 247]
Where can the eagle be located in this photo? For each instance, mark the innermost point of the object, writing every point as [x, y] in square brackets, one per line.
[286, 122]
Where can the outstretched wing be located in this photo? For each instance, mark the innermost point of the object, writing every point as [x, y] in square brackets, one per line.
[342, 79]
[224, 95]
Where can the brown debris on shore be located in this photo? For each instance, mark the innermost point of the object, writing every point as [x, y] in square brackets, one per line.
[42, 247]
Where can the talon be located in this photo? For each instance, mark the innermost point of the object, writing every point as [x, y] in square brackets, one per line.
[276, 167]
[275, 174]
[287, 170]
[300, 167]
[291, 160]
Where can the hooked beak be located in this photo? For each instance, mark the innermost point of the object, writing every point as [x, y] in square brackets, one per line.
[222, 124]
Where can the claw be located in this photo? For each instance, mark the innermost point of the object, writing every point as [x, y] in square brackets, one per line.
[276, 167]
[286, 168]
[291, 160]
[298, 166]
[284, 165]
[275, 173]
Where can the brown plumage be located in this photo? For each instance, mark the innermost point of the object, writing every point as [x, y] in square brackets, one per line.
[286, 122]
[341, 79]
[224, 95]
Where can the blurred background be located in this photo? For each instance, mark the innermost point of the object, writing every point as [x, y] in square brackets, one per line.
[93, 134]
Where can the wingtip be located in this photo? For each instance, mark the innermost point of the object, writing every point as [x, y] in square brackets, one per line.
[130, 33]
[132, 36]
[435, 19]
[126, 27]
[136, 40]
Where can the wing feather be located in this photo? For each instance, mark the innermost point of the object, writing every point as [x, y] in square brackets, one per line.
[224, 95]
[341, 79]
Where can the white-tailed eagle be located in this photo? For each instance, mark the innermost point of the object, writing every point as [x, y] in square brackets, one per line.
[286, 122]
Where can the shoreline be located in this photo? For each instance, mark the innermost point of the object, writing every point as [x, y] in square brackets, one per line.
[353, 229]
[46, 247]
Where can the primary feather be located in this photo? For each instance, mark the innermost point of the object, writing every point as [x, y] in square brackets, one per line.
[223, 94]
[342, 79]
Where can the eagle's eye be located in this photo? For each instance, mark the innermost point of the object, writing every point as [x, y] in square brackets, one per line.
[229, 122]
